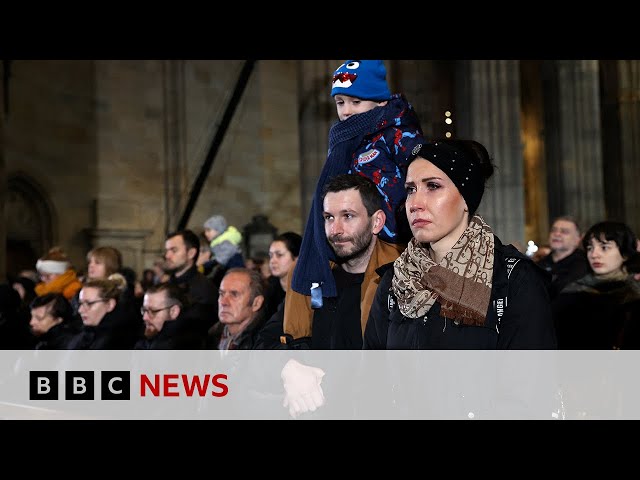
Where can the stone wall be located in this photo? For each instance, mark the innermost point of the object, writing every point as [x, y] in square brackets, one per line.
[107, 151]
[115, 146]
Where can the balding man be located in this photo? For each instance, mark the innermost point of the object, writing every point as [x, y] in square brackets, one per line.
[240, 310]
[567, 261]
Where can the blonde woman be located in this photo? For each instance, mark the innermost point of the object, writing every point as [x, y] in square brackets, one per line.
[107, 324]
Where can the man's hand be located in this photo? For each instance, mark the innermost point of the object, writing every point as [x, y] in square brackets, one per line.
[302, 390]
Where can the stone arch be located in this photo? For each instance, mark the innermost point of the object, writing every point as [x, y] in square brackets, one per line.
[30, 222]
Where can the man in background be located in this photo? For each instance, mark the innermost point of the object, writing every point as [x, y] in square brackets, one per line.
[567, 261]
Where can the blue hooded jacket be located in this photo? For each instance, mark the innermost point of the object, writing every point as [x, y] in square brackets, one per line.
[375, 144]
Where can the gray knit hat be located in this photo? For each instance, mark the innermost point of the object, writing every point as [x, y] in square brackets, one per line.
[217, 223]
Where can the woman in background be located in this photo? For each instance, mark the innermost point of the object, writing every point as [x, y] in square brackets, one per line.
[57, 275]
[602, 309]
[283, 252]
[52, 322]
[106, 321]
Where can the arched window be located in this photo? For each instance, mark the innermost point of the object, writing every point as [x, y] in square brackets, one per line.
[30, 222]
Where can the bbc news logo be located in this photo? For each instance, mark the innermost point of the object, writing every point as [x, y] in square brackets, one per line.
[80, 385]
[116, 385]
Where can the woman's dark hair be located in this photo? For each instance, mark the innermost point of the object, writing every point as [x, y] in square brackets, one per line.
[60, 306]
[618, 232]
[148, 278]
[291, 240]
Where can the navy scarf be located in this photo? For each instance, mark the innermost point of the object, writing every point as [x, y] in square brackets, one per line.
[315, 253]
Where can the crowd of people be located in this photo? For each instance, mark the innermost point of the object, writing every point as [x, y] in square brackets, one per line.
[394, 256]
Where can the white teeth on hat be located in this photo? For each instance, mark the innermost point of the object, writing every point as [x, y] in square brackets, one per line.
[340, 84]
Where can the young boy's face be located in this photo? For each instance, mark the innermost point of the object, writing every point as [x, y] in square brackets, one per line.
[347, 106]
[211, 233]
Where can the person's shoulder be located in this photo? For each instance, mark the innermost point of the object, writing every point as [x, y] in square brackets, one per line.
[385, 270]
[546, 261]
[399, 107]
[507, 250]
[513, 260]
[213, 335]
[385, 276]
[398, 101]
[577, 256]
[385, 252]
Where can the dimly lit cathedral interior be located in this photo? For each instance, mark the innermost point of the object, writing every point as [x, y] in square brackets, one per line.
[228, 205]
[121, 152]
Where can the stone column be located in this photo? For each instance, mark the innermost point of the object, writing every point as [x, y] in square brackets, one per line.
[317, 112]
[488, 110]
[428, 86]
[535, 174]
[629, 81]
[118, 224]
[277, 195]
[176, 177]
[574, 140]
[3, 184]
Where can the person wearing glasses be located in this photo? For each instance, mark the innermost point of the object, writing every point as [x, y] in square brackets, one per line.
[166, 327]
[106, 322]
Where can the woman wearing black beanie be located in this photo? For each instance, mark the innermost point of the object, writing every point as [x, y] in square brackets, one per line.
[447, 287]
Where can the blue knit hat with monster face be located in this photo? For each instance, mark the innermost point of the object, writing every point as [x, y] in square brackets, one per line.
[363, 79]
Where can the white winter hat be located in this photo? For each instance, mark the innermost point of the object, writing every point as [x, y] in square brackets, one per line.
[52, 266]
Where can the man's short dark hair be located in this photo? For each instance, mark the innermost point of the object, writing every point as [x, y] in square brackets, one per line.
[189, 238]
[371, 196]
[176, 294]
